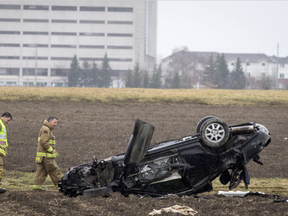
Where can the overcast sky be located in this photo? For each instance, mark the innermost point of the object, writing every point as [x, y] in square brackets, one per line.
[223, 26]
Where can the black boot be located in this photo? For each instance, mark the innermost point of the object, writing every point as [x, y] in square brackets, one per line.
[2, 190]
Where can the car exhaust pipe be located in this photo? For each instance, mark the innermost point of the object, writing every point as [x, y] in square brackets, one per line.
[243, 129]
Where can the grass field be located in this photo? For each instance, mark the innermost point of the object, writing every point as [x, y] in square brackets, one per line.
[23, 181]
[113, 95]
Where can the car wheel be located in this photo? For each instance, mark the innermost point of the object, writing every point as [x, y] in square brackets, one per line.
[214, 133]
[202, 121]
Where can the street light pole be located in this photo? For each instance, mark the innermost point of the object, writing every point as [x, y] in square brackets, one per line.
[26, 71]
[277, 67]
[36, 66]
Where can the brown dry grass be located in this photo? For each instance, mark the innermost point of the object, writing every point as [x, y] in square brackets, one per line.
[113, 95]
[23, 181]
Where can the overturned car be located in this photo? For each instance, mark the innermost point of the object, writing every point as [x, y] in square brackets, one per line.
[182, 166]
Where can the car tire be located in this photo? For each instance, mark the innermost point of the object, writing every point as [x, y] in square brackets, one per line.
[214, 133]
[202, 121]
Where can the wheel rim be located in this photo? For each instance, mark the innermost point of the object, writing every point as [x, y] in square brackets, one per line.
[214, 132]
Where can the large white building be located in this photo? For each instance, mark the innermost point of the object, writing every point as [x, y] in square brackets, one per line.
[39, 38]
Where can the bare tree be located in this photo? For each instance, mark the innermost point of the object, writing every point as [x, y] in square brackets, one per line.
[186, 64]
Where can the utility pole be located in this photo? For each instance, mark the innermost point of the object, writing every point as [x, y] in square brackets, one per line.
[36, 66]
[277, 66]
[26, 71]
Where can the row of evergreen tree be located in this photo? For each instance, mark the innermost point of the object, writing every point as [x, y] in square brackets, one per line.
[141, 79]
[216, 75]
[89, 75]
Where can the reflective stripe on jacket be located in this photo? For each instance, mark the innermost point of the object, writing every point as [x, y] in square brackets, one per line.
[2, 152]
[49, 155]
[3, 135]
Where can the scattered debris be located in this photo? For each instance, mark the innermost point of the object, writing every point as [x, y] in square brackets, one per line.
[280, 200]
[185, 210]
[276, 198]
[233, 193]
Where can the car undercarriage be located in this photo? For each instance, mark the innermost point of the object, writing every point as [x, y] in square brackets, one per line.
[183, 166]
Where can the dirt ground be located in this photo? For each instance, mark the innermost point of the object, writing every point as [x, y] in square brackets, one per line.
[103, 130]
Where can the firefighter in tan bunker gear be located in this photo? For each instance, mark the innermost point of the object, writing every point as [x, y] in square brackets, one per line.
[46, 154]
[4, 120]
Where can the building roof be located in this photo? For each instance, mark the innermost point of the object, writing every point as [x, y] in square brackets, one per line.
[203, 55]
[244, 57]
[282, 60]
[249, 57]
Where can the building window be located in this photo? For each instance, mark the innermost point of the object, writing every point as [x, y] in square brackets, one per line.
[10, 7]
[91, 47]
[92, 8]
[91, 59]
[31, 72]
[9, 71]
[28, 83]
[248, 74]
[35, 33]
[42, 71]
[9, 45]
[263, 64]
[120, 9]
[64, 8]
[34, 58]
[92, 21]
[282, 75]
[247, 63]
[282, 65]
[62, 58]
[28, 71]
[41, 84]
[9, 20]
[36, 7]
[120, 59]
[9, 57]
[64, 33]
[121, 22]
[91, 34]
[36, 20]
[64, 21]
[35, 45]
[63, 46]
[10, 32]
[59, 72]
[11, 83]
[55, 84]
[42, 58]
[119, 35]
[119, 47]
